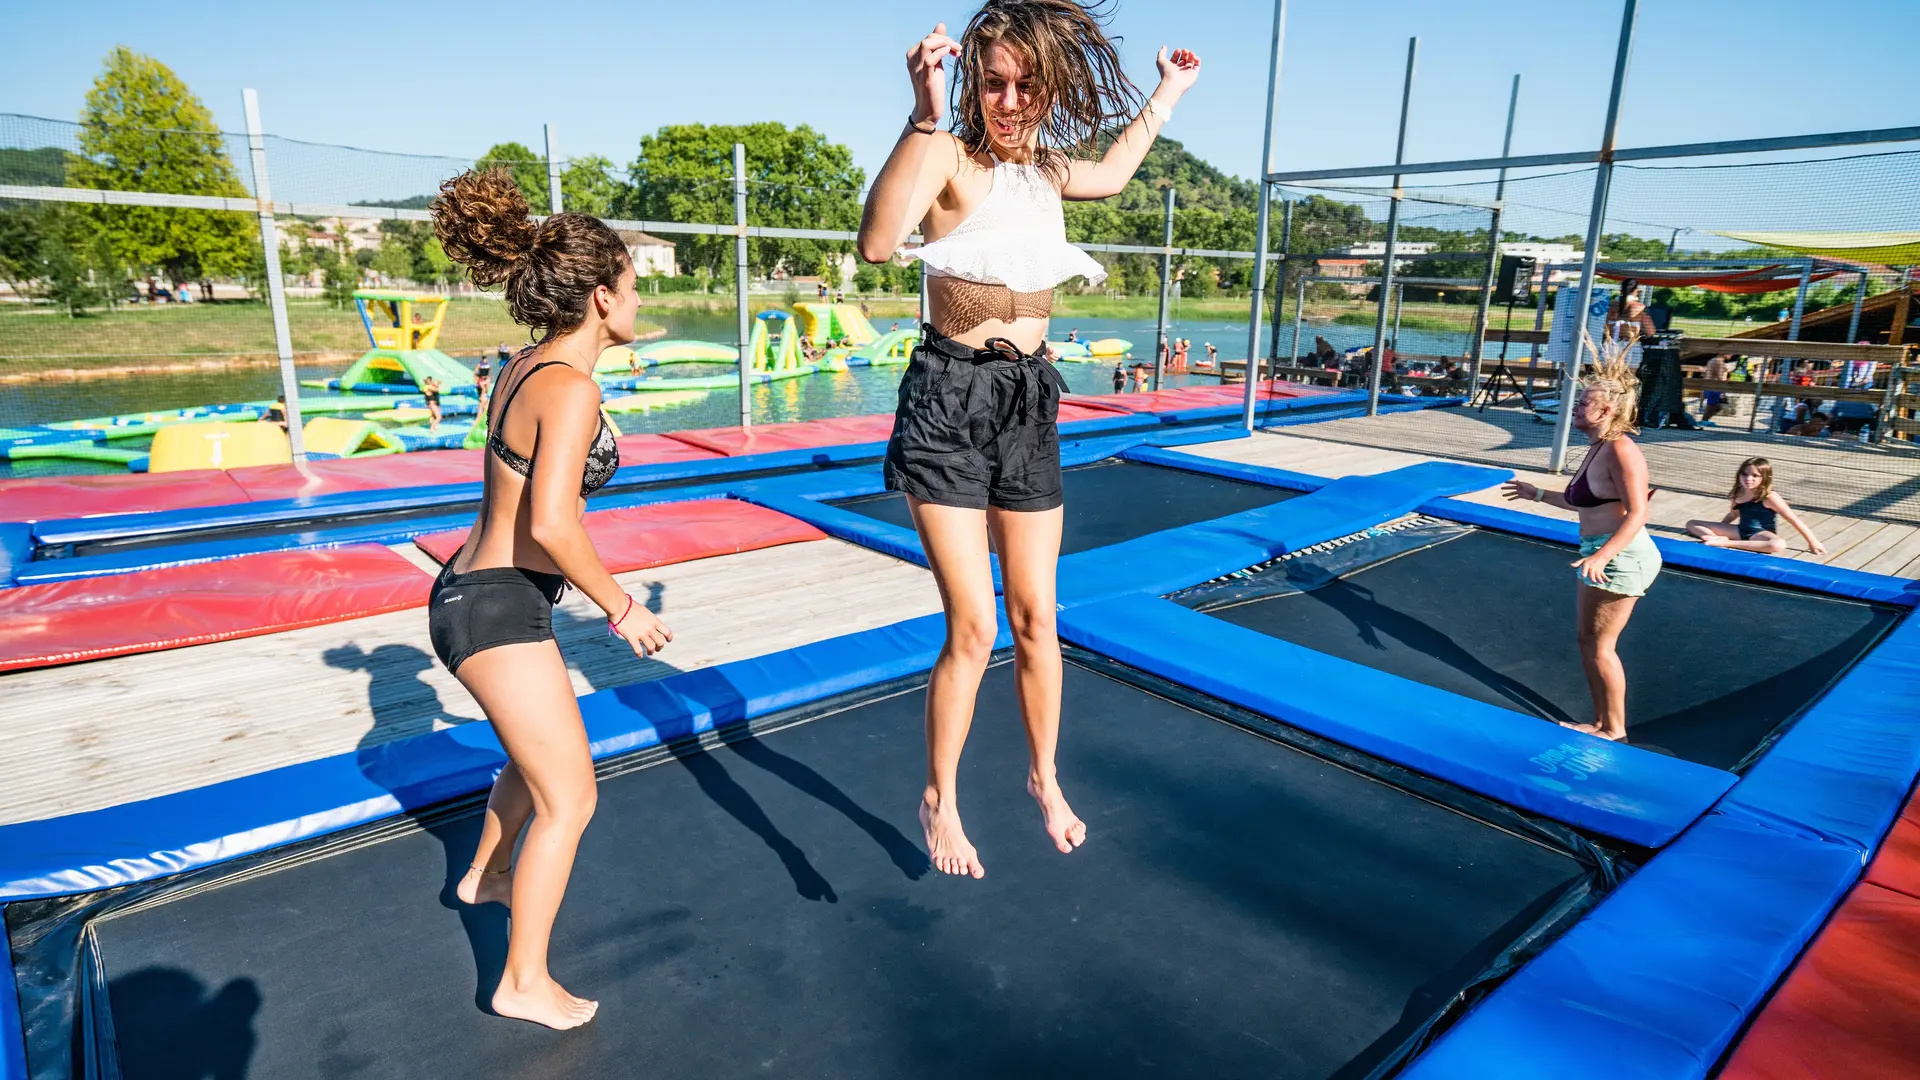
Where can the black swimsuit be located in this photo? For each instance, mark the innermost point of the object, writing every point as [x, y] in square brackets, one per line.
[507, 605]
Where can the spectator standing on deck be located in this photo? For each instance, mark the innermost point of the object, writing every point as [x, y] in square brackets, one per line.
[1660, 312]
[1712, 401]
[1627, 319]
[1754, 510]
[1618, 560]
[1213, 356]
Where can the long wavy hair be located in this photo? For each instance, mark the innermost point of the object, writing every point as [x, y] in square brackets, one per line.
[1764, 468]
[1079, 89]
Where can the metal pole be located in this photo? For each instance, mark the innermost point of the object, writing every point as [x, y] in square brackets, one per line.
[1859, 300]
[1399, 309]
[1800, 301]
[276, 285]
[1479, 343]
[1280, 282]
[924, 306]
[1261, 218]
[1393, 238]
[740, 280]
[1671, 240]
[1596, 218]
[1299, 312]
[553, 169]
[1539, 316]
[1166, 288]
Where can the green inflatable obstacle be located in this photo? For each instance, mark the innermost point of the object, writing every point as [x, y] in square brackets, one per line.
[380, 369]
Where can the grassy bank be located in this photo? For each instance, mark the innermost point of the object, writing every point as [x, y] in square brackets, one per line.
[134, 337]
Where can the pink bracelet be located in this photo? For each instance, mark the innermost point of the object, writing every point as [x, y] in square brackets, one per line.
[613, 625]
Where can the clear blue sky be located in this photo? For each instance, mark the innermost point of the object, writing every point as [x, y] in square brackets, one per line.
[453, 79]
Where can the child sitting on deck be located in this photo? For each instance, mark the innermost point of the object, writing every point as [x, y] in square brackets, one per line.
[1753, 515]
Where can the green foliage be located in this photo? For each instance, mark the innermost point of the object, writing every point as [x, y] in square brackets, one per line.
[1628, 246]
[45, 166]
[394, 259]
[797, 179]
[143, 130]
[588, 186]
[338, 277]
[529, 171]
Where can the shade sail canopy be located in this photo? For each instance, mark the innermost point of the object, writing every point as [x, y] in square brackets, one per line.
[1886, 248]
[1746, 279]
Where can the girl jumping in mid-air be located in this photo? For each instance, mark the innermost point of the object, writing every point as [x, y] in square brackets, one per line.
[975, 444]
[1753, 515]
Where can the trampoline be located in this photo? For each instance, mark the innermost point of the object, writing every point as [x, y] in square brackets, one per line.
[1716, 667]
[1111, 501]
[1252, 902]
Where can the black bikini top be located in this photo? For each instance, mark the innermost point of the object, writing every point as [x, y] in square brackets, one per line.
[603, 458]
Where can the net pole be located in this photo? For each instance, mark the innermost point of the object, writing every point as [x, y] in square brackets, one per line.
[553, 169]
[276, 284]
[1859, 301]
[1299, 312]
[1596, 218]
[1261, 220]
[1280, 280]
[1477, 344]
[1166, 288]
[740, 281]
[1393, 238]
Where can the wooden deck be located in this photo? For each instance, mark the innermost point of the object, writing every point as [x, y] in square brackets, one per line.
[97, 734]
[1683, 468]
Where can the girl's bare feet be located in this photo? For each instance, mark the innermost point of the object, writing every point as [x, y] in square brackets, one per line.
[1713, 539]
[1063, 825]
[947, 844]
[542, 1001]
[1597, 731]
[478, 887]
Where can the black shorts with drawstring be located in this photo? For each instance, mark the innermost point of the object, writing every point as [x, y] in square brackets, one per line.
[977, 427]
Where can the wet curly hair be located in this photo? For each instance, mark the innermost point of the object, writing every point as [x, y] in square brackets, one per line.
[550, 267]
[1080, 89]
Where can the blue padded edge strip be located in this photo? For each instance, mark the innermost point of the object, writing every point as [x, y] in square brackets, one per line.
[1177, 558]
[46, 570]
[1620, 791]
[1657, 980]
[870, 533]
[16, 549]
[13, 1046]
[1842, 773]
[1227, 470]
[208, 825]
[1792, 573]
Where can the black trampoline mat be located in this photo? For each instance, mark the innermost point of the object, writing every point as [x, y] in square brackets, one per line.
[1713, 666]
[1108, 502]
[1241, 908]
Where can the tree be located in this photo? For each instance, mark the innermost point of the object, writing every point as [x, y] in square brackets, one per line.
[588, 186]
[394, 259]
[529, 171]
[143, 130]
[796, 178]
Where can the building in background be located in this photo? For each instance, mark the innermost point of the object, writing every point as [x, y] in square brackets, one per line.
[652, 256]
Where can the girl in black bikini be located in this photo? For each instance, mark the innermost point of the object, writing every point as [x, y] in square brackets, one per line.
[1754, 511]
[490, 614]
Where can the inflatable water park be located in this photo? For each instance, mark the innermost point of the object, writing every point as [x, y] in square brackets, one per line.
[375, 407]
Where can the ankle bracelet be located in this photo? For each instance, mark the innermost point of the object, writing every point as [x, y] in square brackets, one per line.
[491, 873]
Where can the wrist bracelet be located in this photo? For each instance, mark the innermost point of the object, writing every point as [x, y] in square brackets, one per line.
[613, 625]
[1164, 114]
[1539, 493]
[933, 125]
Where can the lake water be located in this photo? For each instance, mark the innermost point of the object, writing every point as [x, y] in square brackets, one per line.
[851, 393]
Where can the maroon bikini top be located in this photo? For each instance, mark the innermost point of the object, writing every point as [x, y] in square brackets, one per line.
[1580, 493]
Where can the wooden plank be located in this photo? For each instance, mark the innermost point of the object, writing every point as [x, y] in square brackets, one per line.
[1843, 541]
[1895, 559]
[1518, 335]
[90, 735]
[1893, 355]
[1881, 541]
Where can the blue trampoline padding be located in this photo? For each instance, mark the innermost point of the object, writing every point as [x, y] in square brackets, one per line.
[1619, 791]
[1172, 559]
[1657, 980]
[1228, 470]
[16, 549]
[1687, 554]
[870, 533]
[190, 829]
[1843, 771]
[240, 515]
[13, 1047]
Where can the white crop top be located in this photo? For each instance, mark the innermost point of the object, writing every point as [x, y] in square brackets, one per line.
[1016, 237]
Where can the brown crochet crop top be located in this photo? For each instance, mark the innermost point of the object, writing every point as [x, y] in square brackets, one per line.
[964, 304]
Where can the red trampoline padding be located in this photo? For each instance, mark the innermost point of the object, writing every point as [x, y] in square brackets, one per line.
[1897, 866]
[91, 618]
[652, 449]
[49, 498]
[418, 469]
[1850, 1009]
[640, 537]
[802, 435]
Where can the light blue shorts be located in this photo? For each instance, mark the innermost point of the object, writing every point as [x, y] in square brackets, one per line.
[1631, 572]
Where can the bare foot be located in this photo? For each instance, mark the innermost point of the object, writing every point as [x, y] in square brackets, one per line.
[543, 1002]
[1598, 732]
[947, 843]
[1065, 826]
[1713, 539]
[479, 888]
